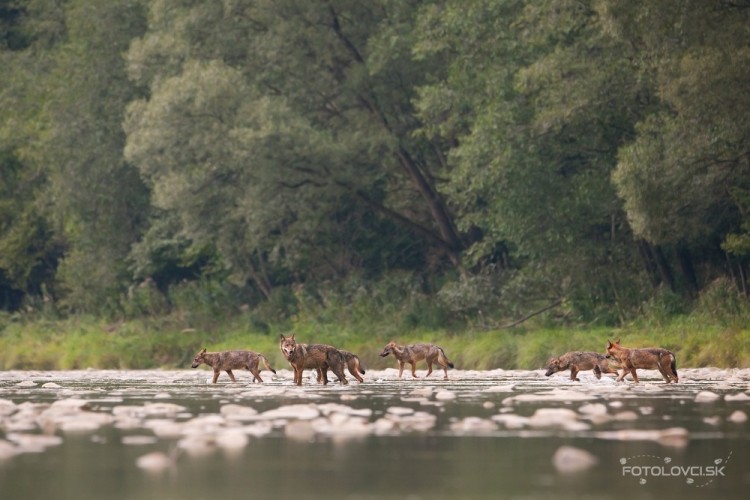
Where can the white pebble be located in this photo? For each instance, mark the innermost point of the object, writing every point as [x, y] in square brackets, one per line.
[738, 417]
[706, 397]
[568, 460]
[737, 397]
[156, 461]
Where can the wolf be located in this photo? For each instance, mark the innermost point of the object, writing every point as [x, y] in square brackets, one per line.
[352, 363]
[417, 352]
[231, 360]
[650, 358]
[320, 357]
[580, 361]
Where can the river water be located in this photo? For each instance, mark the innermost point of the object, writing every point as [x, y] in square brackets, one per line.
[481, 434]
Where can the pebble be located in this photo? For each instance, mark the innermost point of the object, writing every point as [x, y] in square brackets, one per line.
[511, 420]
[7, 407]
[156, 462]
[738, 417]
[501, 388]
[473, 425]
[706, 397]
[737, 397]
[232, 440]
[593, 409]
[571, 460]
[445, 395]
[561, 395]
[296, 411]
[240, 413]
[139, 440]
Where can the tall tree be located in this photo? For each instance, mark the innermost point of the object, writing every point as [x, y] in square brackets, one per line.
[549, 99]
[97, 199]
[685, 178]
[283, 131]
[29, 246]
[692, 152]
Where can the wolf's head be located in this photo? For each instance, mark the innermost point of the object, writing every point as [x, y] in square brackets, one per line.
[553, 366]
[614, 350]
[388, 349]
[199, 358]
[287, 345]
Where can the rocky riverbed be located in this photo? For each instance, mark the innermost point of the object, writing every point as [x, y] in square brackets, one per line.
[171, 420]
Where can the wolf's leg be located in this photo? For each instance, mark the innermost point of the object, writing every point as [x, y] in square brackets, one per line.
[231, 375]
[256, 374]
[400, 368]
[574, 373]
[354, 369]
[297, 375]
[663, 372]
[413, 369]
[429, 368]
[324, 372]
[216, 376]
[598, 372]
[621, 376]
[635, 376]
[339, 371]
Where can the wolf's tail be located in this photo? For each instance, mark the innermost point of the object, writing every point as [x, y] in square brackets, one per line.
[443, 358]
[673, 364]
[268, 367]
[359, 366]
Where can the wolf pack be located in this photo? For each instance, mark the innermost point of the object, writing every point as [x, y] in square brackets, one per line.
[324, 358]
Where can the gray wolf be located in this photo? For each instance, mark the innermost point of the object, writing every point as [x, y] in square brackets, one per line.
[579, 361]
[650, 358]
[232, 360]
[417, 352]
[320, 357]
[352, 363]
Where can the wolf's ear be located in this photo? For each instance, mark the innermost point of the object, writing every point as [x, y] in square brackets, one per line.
[203, 351]
[617, 341]
[292, 337]
[281, 336]
[609, 344]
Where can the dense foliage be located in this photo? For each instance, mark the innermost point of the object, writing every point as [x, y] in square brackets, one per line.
[456, 160]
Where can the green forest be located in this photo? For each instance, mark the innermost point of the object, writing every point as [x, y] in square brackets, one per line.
[482, 169]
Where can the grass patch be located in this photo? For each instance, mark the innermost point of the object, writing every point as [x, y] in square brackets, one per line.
[168, 342]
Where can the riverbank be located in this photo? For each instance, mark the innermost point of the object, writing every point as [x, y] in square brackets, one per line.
[86, 342]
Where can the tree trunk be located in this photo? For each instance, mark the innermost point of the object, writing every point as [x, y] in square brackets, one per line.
[685, 259]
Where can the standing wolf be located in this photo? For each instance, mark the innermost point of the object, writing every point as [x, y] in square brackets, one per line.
[650, 358]
[316, 356]
[418, 352]
[580, 361]
[352, 363]
[232, 360]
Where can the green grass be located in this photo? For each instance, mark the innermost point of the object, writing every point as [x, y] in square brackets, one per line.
[168, 342]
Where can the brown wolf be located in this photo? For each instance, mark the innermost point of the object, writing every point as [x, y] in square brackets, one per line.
[320, 357]
[580, 361]
[231, 360]
[651, 358]
[352, 363]
[418, 352]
